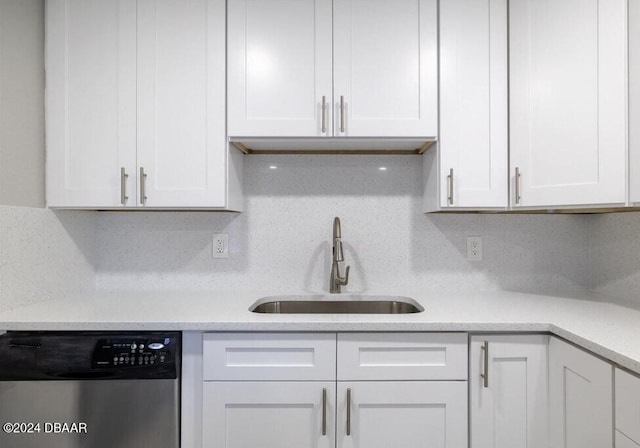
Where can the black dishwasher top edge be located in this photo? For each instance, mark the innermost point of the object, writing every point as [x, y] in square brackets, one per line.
[89, 355]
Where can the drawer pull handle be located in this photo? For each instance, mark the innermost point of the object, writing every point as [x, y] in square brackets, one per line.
[342, 114]
[450, 186]
[485, 375]
[324, 411]
[143, 193]
[348, 412]
[324, 114]
[123, 186]
[518, 176]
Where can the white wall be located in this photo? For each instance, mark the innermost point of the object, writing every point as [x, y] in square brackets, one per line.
[283, 239]
[22, 103]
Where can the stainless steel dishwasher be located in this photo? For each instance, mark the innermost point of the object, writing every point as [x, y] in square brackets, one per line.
[90, 389]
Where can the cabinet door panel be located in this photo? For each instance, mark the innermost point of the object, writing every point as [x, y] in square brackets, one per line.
[568, 101]
[403, 414]
[181, 97]
[634, 100]
[473, 137]
[512, 411]
[91, 102]
[385, 67]
[279, 67]
[259, 415]
[623, 441]
[581, 398]
[628, 404]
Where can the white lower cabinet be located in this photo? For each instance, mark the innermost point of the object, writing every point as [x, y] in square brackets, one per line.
[581, 398]
[627, 410]
[623, 441]
[381, 390]
[383, 414]
[241, 414]
[269, 408]
[509, 391]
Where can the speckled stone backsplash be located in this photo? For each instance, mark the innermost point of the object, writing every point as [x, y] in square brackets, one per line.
[615, 256]
[282, 242]
[44, 254]
[283, 239]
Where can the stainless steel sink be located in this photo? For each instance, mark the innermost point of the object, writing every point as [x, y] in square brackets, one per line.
[336, 304]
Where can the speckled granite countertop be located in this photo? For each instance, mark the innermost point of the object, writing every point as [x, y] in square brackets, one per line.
[607, 329]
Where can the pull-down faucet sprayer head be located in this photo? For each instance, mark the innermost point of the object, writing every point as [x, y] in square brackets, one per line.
[337, 241]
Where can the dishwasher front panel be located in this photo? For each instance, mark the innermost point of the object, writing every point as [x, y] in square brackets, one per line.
[97, 414]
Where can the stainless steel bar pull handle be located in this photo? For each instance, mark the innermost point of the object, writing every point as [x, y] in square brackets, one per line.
[143, 179]
[348, 412]
[324, 114]
[342, 113]
[123, 186]
[518, 175]
[324, 411]
[485, 368]
[450, 186]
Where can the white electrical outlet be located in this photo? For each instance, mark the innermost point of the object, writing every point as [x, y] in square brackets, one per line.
[474, 248]
[220, 245]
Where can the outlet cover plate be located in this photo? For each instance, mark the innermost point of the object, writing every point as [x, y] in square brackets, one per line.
[220, 247]
[474, 248]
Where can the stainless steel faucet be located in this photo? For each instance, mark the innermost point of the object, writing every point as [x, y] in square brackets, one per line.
[335, 282]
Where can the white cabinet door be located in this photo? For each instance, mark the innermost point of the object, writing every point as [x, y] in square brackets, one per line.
[279, 68]
[90, 102]
[623, 441]
[581, 398]
[181, 97]
[473, 141]
[628, 405]
[568, 96]
[407, 414]
[511, 409]
[634, 100]
[268, 414]
[385, 68]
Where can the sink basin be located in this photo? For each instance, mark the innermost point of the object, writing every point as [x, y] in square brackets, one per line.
[336, 304]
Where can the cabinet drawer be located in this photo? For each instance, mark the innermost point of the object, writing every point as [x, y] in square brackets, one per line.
[402, 356]
[269, 356]
[628, 405]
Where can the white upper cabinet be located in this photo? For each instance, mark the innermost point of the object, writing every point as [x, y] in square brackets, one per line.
[309, 68]
[279, 66]
[91, 102]
[634, 100]
[469, 168]
[136, 105]
[181, 103]
[385, 68]
[568, 96]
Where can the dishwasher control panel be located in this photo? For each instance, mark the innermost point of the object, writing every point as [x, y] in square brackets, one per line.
[133, 352]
